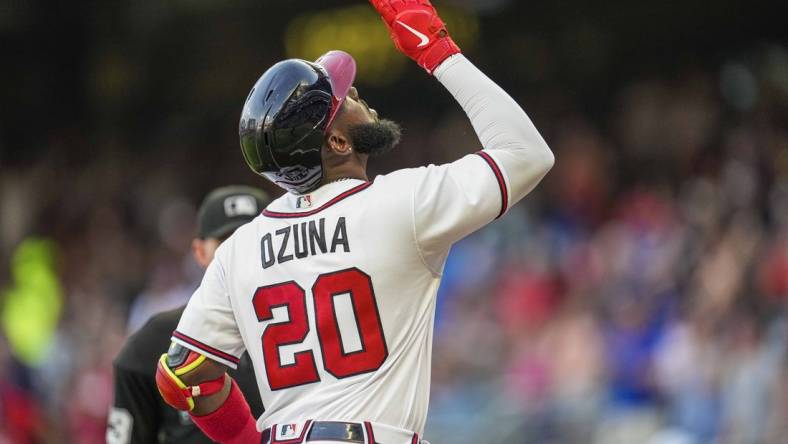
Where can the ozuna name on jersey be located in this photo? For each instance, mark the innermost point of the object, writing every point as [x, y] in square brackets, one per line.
[302, 240]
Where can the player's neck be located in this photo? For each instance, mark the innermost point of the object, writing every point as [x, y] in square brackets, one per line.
[344, 172]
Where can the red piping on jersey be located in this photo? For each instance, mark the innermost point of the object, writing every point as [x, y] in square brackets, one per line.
[347, 193]
[500, 179]
[370, 435]
[206, 348]
[298, 439]
[415, 438]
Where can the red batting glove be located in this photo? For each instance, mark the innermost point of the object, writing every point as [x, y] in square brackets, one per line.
[417, 31]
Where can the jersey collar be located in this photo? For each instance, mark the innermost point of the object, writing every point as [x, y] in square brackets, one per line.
[302, 205]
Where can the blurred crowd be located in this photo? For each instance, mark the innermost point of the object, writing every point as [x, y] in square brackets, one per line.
[643, 296]
[640, 295]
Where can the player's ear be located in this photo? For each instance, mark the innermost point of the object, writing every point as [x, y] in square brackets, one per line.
[338, 142]
[199, 253]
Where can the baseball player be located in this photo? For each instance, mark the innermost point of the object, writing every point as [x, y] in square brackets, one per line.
[331, 290]
[138, 414]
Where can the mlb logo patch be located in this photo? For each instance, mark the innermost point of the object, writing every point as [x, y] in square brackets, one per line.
[287, 431]
[304, 201]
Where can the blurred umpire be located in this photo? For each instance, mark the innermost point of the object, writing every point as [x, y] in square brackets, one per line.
[139, 414]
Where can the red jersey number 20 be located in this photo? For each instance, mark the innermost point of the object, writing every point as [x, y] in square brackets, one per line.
[336, 360]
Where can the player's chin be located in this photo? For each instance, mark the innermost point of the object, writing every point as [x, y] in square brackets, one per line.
[375, 138]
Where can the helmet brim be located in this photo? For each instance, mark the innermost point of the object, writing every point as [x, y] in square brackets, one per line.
[341, 69]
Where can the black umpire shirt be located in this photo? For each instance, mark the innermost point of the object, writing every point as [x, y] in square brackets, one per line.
[139, 414]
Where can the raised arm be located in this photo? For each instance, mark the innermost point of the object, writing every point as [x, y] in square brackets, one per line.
[501, 125]
[450, 201]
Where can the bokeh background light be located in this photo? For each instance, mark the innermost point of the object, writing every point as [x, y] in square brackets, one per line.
[357, 30]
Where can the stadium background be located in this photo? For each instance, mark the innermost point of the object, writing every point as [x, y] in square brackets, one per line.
[638, 296]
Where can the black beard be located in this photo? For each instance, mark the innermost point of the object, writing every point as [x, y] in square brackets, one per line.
[375, 138]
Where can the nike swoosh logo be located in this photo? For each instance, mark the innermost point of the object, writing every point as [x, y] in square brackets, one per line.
[424, 38]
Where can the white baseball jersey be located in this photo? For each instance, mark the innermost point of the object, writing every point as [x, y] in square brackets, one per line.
[332, 293]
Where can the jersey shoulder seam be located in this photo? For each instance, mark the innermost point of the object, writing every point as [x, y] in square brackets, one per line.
[219, 263]
[419, 251]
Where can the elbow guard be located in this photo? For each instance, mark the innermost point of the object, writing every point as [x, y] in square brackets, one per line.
[171, 367]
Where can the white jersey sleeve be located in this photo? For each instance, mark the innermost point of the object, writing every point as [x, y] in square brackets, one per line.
[450, 201]
[208, 325]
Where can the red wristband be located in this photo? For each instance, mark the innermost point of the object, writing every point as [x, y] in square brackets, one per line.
[437, 53]
[232, 422]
